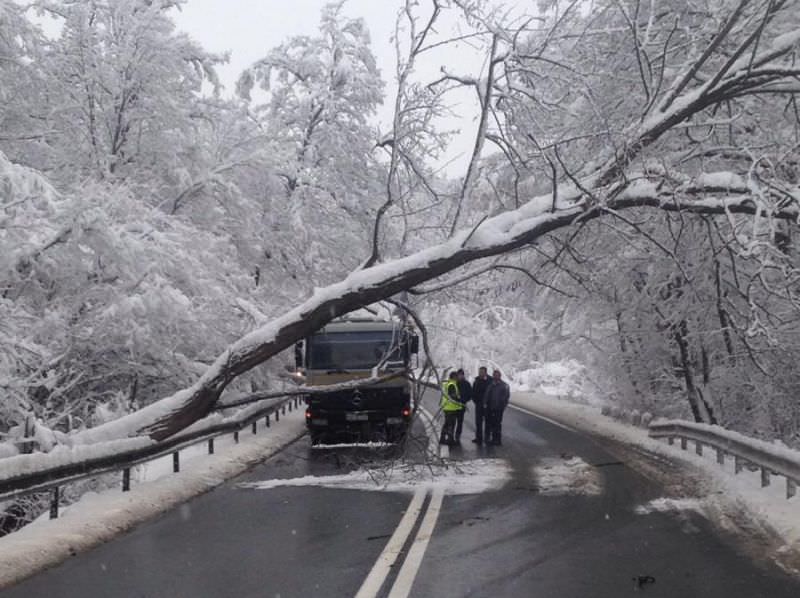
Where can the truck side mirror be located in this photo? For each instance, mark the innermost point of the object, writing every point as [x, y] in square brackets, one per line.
[414, 344]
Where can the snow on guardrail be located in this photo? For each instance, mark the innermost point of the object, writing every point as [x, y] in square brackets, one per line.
[63, 455]
[20, 474]
[769, 457]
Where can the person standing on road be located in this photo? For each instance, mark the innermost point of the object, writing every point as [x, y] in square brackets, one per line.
[464, 396]
[479, 386]
[450, 405]
[497, 395]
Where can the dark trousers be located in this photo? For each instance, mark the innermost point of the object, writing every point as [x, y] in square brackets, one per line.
[481, 423]
[448, 428]
[459, 424]
[494, 420]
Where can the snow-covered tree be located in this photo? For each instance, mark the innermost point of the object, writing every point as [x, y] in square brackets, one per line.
[604, 110]
[315, 98]
[123, 93]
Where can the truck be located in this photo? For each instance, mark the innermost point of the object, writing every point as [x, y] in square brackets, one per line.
[348, 350]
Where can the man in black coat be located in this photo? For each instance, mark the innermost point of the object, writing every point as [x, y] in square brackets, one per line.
[479, 387]
[497, 397]
[465, 394]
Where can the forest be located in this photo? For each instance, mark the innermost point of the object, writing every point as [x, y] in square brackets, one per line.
[628, 205]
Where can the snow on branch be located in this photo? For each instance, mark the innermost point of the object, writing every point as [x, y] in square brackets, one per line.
[500, 234]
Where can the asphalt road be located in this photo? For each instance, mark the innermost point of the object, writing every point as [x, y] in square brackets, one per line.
[518, 540]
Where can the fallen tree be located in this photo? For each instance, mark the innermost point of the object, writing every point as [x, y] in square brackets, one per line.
[753, 61]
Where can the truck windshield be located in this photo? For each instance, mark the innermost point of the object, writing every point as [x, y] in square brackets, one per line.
[353, 350]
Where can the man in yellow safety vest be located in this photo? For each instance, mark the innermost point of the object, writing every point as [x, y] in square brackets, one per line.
[451, 406]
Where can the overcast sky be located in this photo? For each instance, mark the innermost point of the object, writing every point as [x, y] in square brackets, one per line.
[247, 29]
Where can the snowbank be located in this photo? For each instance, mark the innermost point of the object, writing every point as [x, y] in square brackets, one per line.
[726, 492]
[98, 518]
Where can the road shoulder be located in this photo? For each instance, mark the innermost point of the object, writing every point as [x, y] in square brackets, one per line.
[753, 520]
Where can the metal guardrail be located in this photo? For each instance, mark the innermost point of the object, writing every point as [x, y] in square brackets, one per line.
[54, 477]
[742, 452]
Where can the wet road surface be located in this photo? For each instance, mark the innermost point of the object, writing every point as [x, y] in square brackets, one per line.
[530, 537]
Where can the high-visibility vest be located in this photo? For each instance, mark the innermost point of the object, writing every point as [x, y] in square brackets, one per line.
[449, 404]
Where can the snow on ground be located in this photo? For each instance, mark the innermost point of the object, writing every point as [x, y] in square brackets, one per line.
[341, 445]
[463, 477]
[672, 505]
[557, 378]
[559, 476]
[99, 517]
[726, 492]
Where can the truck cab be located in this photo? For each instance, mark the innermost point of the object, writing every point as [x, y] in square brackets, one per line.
[348, 350]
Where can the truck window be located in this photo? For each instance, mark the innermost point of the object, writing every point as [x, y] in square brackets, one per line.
[353, 350]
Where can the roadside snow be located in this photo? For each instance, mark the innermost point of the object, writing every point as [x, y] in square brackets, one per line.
[99, 517]
[725, 490]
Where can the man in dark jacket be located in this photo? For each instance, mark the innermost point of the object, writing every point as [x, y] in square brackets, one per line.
[465, 394]
[497, 396]
[479, 387]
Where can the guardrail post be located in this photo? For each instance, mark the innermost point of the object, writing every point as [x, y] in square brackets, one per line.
[737, 464]
[28, 445]
[126, 479]
[720, 456]
[210, 446]
[698, 447]
[791, 488]
[277, 415]
[683, 444]
[55, 495]
[671, 440]
[236, 436]
[176, 462]
[266, 420]
[283, 409]
[254, 427]
[764, 477]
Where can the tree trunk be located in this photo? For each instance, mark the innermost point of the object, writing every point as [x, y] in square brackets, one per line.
[693, 396]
